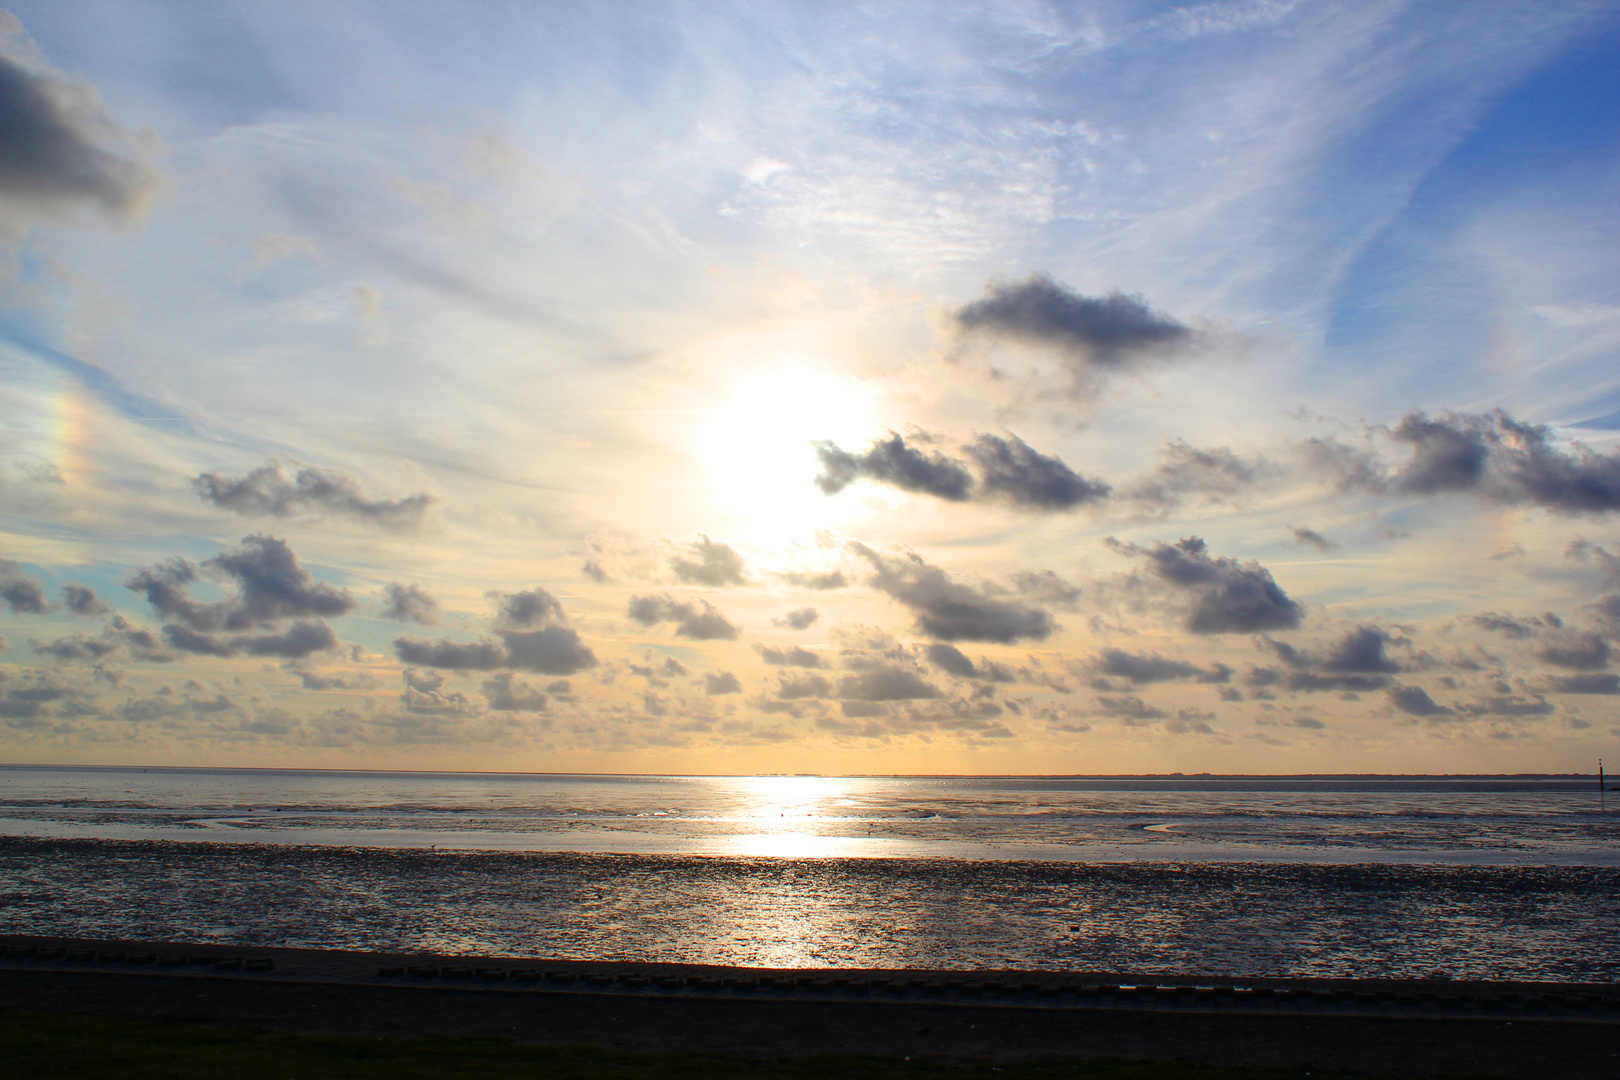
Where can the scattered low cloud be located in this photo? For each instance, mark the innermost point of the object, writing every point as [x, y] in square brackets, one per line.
[1009, 471]
[951, 611]
[22, 594]
[1304, 535]
[310, 492]
[409, 603]
[717, 683]
[1094, 335]
[711, 564]
[798, 619]
[1227, 596]
[791, 656]
[1142, 668]
[83, 601]
[64, 153]
[1187, 474]
[700, 622]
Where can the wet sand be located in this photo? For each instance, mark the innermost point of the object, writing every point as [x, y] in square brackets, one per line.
[1391, 1027]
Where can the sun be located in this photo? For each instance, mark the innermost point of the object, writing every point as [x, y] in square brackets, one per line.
[758, 445]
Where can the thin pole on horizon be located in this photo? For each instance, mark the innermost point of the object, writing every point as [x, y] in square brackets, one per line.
[1603, 797]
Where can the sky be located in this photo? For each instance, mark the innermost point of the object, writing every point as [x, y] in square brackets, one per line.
[1094, 387]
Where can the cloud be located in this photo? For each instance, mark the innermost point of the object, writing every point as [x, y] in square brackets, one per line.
[83, 601]
[1228, 597]
[711, 564]
[1578, 652]
[1129, 708]
[890, 461]
[522, 610]
[950, 659]
[22, 594]
[270, 586]
[1094, 335]
[533, 637]
[268, 492]
[820, 582]
[1586, 684]
[1142, 668]
[950, 611]
[554, 650]
[482, 655]
[1504, 461]
[63, 153]
[886, 684]
[507, 693]
[799, 687]
[1415, 701]
[1508, 625]
[799, 618]
[716, 683]
[1010, 471]
[1184, 471]
[119, 637]
[792, 656]
[700, 623]
[409, 603]
[1304, 535]
[1356, 662]
[297, 641]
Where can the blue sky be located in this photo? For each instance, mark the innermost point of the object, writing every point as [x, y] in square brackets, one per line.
[1122, 386]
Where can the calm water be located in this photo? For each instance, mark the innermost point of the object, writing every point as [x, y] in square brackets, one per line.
[1494, 877]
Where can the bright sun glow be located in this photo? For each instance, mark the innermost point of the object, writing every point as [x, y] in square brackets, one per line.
[758, 444]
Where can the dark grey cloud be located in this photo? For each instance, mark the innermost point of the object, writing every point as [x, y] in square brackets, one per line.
[1506, 624]
[523, 610]
[1509, 705]
[268, 492]
[22, 594]
[798, 619]
[886, 684]
[1304, 535]
[700, 622]
[482, 655]
[1046, 587]
[507, 693]
[1009, 471]
[1094, 334]
[950, 659]
[1142, 668]
[799, 687]
[270, 584]
[792, 656]
[1012, 471]
[1586, 684]
[716, 683]
[1186, 473]
[593, 570]
[1129, 708]
[950, 611]
[891, 461]
[117, 638]
[83, 601]
[553, 650]
[1578, 652]
[1228, 597]
[1415, 701]
[1505, 461]
[711, 564]
[820, 582]
[1355, 663]
[409, 603]
[62, 152]
[300, 639]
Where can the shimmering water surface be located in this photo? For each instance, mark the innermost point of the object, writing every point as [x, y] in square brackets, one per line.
[1494, 877]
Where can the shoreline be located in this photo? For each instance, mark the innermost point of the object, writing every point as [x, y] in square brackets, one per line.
[1403, 1027]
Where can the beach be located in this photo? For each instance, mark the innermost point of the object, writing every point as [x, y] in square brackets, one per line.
[1393, 1027]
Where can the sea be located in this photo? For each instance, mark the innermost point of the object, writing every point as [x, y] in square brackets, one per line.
[1484, 877]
